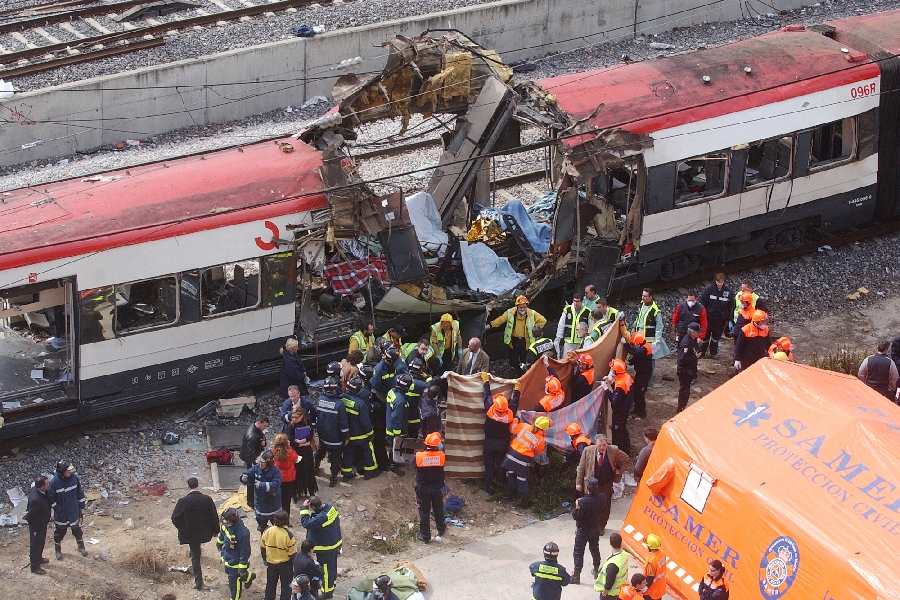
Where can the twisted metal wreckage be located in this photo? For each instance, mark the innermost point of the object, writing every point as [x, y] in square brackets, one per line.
[592, 226]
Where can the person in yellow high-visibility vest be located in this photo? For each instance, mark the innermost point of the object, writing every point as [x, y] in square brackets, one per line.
[520, 324]
[446, 341]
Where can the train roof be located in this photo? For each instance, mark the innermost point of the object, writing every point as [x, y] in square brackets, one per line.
[158, 200]
[870, 33]
[658, 94]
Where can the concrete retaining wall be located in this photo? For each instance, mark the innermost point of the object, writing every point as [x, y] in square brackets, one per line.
[238, 83]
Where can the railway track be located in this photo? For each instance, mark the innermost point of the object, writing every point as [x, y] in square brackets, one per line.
[53, 35]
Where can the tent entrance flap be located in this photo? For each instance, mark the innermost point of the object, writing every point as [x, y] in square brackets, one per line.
[477, 131]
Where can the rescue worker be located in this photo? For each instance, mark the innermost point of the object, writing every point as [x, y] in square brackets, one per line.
[378, 410]
[395, 336]
[641, 357]
[382, 589]
[397, 425]
[359, 423]
[688, 353]
[520, 323]
[649, 322]
[654, 570]
[579, 443]
[588, 515]
[755, 303]
[234, 546]
[687, 312]
[782, 345]
[636, 590]
[621, 399]
[446, 341]
[430, 488]
[363, 339]
[528, 440]
[566, 331]
[590, 297]
[266, 478]
[879, 372]
[333, 425]
[498, 421]
[277, 548]
[539, 348]
[414, 397]
[582, 382]
[744, 313]
[429, 410]
[253, 443]
[301, 589]
[613, 572]
[714, 586]
[752, 341]
[323, 526]
[603, 317]
[421, 350]
[382, 383]
[553, 393]
[333, 369]
[549, 576]
[68, 502]
[719, 303]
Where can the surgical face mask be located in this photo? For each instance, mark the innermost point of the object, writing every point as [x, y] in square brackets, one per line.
[521, 310]
[691, 303]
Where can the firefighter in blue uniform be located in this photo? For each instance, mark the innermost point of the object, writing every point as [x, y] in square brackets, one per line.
[360, 443]
[333, 426]
[421, 381]
[234, 546]
[323, 527]
[266, 478]
[397, 426]
[430, 488]
[68, 502]
[549, 575]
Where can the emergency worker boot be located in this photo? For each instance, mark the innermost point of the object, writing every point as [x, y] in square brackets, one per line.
[81, 549]
[576, 576]
[58, 548]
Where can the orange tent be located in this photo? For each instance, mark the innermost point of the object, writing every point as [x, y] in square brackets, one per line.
[790, 476]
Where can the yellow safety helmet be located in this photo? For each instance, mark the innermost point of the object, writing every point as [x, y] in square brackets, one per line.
[543, 423]
[521, 300]
[653, 542]
[780, 356]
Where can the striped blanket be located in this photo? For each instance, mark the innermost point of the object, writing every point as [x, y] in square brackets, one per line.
[464, 437]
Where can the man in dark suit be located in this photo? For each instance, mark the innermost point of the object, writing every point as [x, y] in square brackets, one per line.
[38, 516]
[473, 359]
[197, 522]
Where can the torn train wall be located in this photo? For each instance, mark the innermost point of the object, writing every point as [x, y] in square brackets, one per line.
[59, 120]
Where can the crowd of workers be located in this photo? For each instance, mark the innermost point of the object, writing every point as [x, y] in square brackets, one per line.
[387, 394]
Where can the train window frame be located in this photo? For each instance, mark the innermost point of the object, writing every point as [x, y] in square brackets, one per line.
[151, 326]
[234, 292]
[282, 264]
[823, 165]
[726, 171]
[774, 179]
[95, 304]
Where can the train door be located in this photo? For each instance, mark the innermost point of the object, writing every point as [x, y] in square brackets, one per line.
[37, 348]
[767, 184]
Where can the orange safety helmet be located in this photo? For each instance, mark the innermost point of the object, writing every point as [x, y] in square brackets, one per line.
[433, 440]
[500, 403]
[585, 361]
[759, 316]
[618, 366]
[747, 297]
[638, 338]
[553, 386]
[784, 343]
[573, 429]
[521, 300]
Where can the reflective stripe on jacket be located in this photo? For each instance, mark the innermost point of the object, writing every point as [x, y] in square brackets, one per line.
[646, 321]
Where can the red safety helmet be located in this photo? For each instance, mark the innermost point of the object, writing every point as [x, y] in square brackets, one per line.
[585, 361]
[553, 386]
[618, 366]
[747, 297]
[573, 429]
[759, 316]
[638, 338]
[500, 403]
[433, 440]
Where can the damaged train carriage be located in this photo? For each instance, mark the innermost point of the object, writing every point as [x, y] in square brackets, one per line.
[450, 247]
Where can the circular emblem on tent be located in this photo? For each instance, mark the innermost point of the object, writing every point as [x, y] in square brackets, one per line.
[778, 568]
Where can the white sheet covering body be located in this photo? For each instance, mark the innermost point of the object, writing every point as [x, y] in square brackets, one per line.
[485, 271]
[427, 222]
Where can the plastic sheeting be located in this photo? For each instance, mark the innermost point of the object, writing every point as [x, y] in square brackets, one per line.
[485, 271]
[427, 221]
[790, 476]
[537, 233]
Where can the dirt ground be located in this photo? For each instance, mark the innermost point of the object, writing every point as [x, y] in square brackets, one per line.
[384, 506]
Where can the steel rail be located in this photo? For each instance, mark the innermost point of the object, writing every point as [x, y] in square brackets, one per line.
[68, 15]
[75, 59]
